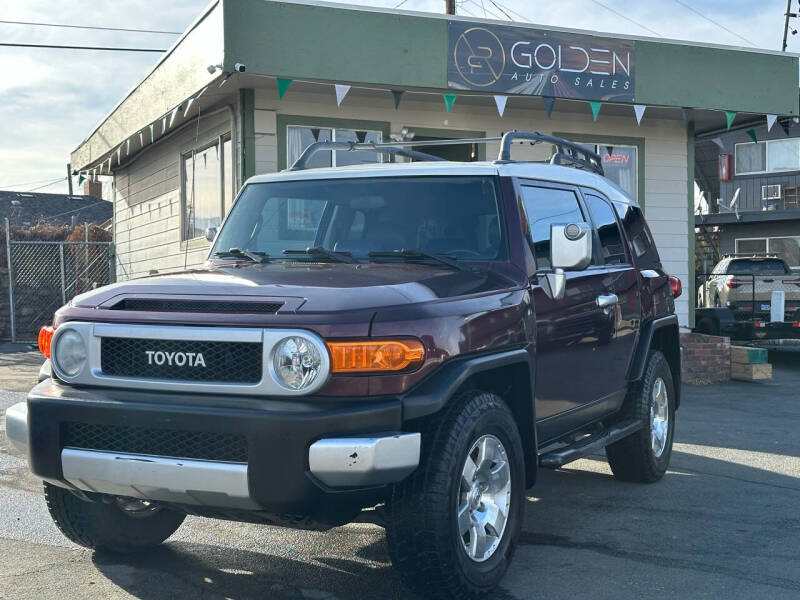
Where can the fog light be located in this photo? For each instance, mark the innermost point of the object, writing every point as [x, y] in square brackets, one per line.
[70, 353]
[296, 362]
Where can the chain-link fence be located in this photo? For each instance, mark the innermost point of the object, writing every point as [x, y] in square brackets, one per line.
[43, 276]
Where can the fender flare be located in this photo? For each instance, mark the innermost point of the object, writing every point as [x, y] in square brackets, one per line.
[639, 361]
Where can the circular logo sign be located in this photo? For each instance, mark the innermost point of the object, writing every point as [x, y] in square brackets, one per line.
[479, 57]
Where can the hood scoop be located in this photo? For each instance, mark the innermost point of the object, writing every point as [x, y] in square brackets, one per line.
[173, 305]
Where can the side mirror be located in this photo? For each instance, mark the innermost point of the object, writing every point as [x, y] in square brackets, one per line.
[211, 233]
[570, 250]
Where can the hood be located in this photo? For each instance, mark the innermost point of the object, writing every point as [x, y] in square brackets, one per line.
[315, 287]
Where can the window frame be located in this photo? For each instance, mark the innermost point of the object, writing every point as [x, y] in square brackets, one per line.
[210, 139]
[766, 144]
[766, 241]
[626, 243]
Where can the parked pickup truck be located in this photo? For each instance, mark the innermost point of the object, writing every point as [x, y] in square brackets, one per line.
[418, 337]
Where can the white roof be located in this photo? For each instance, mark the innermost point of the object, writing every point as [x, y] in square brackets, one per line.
[531, 170]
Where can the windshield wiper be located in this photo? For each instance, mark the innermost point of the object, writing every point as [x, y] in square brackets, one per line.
[252, 255]
[416, 254]
[317, 252]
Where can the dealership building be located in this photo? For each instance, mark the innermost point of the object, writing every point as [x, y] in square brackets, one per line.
[252, 82]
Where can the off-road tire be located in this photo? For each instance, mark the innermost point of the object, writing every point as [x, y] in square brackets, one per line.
[632, 458]
[104, 526]
[421, 520]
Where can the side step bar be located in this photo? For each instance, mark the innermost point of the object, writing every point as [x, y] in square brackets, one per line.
[567, 454]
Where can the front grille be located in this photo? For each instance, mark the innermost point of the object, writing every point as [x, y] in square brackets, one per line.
[224, 362]
[189, 306]
[203, 445]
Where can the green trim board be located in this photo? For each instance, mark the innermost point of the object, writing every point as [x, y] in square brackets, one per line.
[455, 134]
[247, 116]
[692, 296]
[326, 42]
[639, 143]
[282, 121]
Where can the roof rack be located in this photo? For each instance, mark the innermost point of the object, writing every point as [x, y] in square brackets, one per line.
[750, 255]
[567, 153]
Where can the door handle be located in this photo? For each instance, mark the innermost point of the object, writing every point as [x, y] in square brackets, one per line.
[606, 300]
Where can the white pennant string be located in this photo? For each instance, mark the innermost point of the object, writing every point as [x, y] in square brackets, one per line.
[771, 121]
[341, 92]
[127, 147]
[172, 116]
[501, 103]
[718, 141]
[639, 110]
[188, 106]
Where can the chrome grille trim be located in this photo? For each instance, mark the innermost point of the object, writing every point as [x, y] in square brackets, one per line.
[92, 374]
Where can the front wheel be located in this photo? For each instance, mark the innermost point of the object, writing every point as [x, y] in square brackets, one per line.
[644, 456]
[452, 526]
[117, 525]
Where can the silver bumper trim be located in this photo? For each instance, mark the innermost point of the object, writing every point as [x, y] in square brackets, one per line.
[200, 482]
[364, 461]
[17, 426]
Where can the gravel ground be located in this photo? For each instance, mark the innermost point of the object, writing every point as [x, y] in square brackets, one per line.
[723, 523]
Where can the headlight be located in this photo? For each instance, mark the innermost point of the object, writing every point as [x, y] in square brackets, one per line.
[296, 362]
[70, 353]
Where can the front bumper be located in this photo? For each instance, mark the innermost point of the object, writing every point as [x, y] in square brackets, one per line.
[300, 452]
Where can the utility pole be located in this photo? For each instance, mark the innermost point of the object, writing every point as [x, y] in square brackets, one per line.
[789, 14]
[69, 177]
[450, 6]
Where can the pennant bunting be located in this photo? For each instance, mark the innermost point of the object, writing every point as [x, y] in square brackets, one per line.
[341, 92]
[80, 178]
[127, 147]
[163, 125]
[752, 134]
[549, 103]
[141, 139]
[500, 101]
[396, 95]
[94, 174]
[188, 106]
[109, 164]
[639, 110]
[718, 141]
[283, 86]
[315, 133]
[687, 114]
[610, 150]
[771, 121]
[785, 126]
[730, 115]
[119, 152]
[203, 91]
[595, 109]
[449, 100]
[361, 136]
[173, 115]
[152, 132]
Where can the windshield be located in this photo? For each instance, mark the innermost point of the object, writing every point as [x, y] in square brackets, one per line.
[454, 216]
[770, 266]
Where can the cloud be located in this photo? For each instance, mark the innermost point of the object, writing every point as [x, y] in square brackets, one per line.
[51, 100]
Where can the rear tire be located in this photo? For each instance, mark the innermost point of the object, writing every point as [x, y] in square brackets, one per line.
[644, 456]
[441, 522]
[106, 525]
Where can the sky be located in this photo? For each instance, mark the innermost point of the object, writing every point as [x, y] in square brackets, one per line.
[51, 100]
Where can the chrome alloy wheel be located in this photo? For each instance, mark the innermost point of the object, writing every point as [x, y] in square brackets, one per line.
[484, 498]
[659, 417]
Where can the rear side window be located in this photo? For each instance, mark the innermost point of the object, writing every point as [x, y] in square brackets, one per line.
[611, 245]
[769, 266]
[640, 240]
[544, 206]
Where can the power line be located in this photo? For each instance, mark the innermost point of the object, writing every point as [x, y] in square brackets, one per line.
[59, 47]
[31, 183]
[627, 18]
[501, 10]
[399, 4]
[710, 20]
[511, 10]
[41, 187]
[90, 27]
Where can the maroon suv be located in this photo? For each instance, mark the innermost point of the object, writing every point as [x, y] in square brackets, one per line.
[418, 337]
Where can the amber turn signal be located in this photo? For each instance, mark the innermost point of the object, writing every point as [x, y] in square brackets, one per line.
[375, 356]
[45, 339]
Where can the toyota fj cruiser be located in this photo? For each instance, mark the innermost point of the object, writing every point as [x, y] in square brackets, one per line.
[418, 337]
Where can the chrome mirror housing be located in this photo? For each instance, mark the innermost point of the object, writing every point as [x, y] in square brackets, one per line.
[570, 250]
[211, 233]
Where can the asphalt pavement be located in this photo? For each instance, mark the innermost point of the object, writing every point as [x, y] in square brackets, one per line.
[723, 523]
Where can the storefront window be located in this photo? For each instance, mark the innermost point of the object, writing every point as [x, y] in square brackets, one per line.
[620, 164]
[299, 138]
[207, 186]
[764, 157]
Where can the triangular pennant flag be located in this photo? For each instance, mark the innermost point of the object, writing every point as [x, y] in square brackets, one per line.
[639, 110]
[283, 85]
[361, 136]
[595, 109]
[396, 95]
[752, 134]
[109, 164]
[718, 141]
[94, 174]
[188, 106]
[449, 100]
[119, 152]
[549, 103]
[341, 92]
[610, 150]
[127, 147]
[80, 178]
[173, 115]
[771, 121]
[501, 103]
[785, 127]
[141, 139]
[152, 133]
[163, 125]
[730, 115]
[687, 114]
[315, 133]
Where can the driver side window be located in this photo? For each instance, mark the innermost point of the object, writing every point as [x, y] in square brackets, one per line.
[544, 206]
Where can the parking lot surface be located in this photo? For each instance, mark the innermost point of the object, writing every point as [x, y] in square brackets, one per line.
[723, 523]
